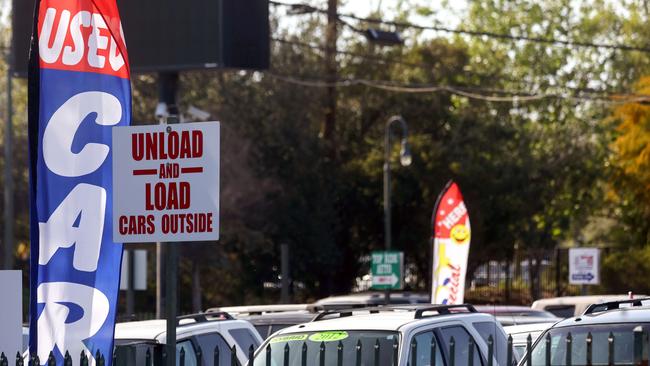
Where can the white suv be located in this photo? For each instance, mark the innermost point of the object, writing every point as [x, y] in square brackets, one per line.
[194, 333]
[400, 335]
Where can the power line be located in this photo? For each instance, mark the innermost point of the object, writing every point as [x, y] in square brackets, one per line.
[507, 96]
[352, 54]
[555, 41]
[387, 61]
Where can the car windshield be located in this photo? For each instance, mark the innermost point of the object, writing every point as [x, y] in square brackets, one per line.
[623, 344]
[295, 346]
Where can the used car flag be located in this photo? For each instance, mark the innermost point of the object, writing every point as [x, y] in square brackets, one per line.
[451, 239]
[79, 89]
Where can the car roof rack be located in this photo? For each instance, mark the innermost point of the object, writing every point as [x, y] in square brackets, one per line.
[419, 310]
[349, 311]
[205, 317]
[442, 310]
[612, 305]
[260, 309]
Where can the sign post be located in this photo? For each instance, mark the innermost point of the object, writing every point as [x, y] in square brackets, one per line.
[584, 266]
[387, 270]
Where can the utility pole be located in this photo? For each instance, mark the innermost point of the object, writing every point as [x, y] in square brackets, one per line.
[331, 69]
[9, 177]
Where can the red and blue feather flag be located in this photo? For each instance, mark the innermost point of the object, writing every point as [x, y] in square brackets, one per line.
[79, 89]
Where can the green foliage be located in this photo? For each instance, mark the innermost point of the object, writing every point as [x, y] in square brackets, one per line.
[533, 174]
[626, 270]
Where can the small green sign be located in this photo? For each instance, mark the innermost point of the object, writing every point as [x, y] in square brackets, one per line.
[289, 338]
[328, 336]
[387, 270]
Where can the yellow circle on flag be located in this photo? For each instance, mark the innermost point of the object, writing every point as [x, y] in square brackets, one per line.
[460, 233]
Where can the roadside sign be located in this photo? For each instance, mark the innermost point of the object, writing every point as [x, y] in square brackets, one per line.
[11, 312]
[387, 270]
[166, 183]
[584, 266]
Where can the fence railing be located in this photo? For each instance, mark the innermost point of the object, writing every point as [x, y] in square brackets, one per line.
[432, 355]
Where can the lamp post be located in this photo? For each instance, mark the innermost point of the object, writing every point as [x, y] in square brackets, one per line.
[405, 160]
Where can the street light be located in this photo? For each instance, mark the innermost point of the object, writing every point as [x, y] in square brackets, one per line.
[383, 37]
[405, 159]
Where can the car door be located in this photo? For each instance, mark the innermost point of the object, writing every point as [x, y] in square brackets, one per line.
[213, 347]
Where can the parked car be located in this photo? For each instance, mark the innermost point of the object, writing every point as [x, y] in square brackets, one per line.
[520, 333]
[570, 306]
[398, 335]
[376, 298]
[616, 329]
[268, 319]
[515, 315]
[207, 331]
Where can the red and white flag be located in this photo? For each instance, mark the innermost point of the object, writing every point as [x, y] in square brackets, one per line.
[451, 240]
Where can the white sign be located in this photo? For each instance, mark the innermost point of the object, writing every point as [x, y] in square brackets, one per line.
[584, 266]
[166, 183]
[11, 312]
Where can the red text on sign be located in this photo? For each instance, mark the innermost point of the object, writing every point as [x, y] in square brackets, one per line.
[136, 225]
[167, 196]
[163, 145]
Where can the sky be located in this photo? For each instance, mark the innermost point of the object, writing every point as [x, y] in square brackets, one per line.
[446, 12]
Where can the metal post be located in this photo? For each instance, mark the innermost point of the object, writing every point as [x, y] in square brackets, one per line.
[168, 90]
[160, 281]
[130, 286]
[387, 202]
[558, 279]
[9, 178]
[387, 199]
[170, 301]
[284, 264]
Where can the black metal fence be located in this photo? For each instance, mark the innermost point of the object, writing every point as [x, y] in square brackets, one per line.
[432, 355]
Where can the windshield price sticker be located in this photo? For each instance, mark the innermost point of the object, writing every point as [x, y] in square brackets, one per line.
[166, 181]
[289, 338]
[328, 336]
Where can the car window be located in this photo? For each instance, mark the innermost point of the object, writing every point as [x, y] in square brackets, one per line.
[562, 311]
[244, 339]
[264, 330]
[520, 350]
[461, 339]
[423, 345]
[623, 344]
[190, 354]
[208, 343]
[487, 329]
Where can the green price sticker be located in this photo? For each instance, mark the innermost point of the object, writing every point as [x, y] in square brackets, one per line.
[289, 338]
[328, 336]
